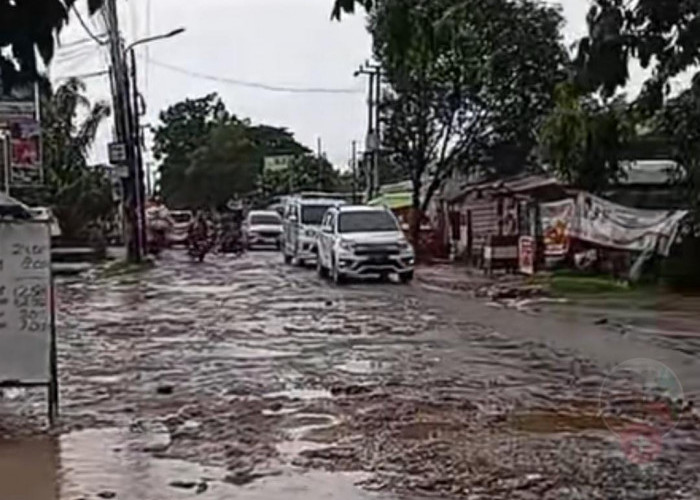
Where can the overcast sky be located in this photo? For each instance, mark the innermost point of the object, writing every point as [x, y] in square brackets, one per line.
[276, 42]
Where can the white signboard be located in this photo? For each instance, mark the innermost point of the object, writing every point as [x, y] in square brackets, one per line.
[25, 302]
[277, 163]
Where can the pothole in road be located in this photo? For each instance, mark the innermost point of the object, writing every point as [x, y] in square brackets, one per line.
[303, 394]
[552, 422]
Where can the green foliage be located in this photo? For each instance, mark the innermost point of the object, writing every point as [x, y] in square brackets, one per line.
[79, 195]
[184, 128]
[681, 271]
[467, 79]
[584, 138]
[225, 165]
[663, 35]
[679, 122]
[208, 156]
[306, 173]
[341, 7]
[29, 28]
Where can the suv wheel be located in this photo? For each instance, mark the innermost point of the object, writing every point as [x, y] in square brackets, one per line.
[287, 259]
[322, 271]
[406, 277]
[338, 277]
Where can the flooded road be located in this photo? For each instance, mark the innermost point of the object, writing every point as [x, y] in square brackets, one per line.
[246, 378]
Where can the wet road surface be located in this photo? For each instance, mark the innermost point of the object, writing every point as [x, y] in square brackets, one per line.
[246, 378]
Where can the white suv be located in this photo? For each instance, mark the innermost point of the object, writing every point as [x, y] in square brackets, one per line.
[359, 241]
[302, 220]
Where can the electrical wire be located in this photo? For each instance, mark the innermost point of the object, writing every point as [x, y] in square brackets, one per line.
[256, 85]
[87, 28]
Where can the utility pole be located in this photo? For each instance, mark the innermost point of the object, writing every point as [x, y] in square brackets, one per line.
[123, 123]
[372, 143]
[319, 172]
[353, 164]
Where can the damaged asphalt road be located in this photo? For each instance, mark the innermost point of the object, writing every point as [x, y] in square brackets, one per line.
[264, 378]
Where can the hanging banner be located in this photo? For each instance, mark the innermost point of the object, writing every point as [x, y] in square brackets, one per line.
[26, 166]
[557, 219]
[608, 224]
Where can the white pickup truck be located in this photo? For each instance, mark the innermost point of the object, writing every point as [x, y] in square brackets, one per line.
[361, 241]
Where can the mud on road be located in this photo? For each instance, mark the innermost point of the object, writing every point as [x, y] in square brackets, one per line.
[256, 372]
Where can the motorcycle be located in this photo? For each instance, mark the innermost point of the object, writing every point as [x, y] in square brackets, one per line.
[157, 241]
[198, 248]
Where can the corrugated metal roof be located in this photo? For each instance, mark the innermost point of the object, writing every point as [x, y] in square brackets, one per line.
[514, 185]
[649, 172]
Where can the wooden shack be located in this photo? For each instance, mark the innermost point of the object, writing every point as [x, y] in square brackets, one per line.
[486, 218]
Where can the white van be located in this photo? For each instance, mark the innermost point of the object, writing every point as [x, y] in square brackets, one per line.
[301, 222]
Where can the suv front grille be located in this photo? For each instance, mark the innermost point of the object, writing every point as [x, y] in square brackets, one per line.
[376, 249]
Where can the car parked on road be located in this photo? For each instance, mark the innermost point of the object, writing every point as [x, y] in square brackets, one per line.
[263, 228]
[362, 241]
[302, 220]
[182, 220]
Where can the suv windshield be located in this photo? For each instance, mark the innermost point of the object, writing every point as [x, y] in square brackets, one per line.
[313, 214]
[265, 220]
[366, 222]
[181, 217]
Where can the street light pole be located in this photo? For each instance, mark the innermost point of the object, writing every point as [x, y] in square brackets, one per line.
[136, 170]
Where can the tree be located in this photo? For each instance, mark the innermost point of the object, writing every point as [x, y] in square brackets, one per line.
[465, 78]
[185, 127]
[348, 7]
[225, 166]
[663, 35]
[28, 28]
[77, 193]
[305, 173]
[583, 138]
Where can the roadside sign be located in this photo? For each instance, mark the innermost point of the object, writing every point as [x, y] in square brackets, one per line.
[277, 163]
[526, 255]
[26, 168]
[27, 333]
[117, 153]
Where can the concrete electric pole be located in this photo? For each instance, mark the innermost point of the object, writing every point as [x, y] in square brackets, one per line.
[373, 141]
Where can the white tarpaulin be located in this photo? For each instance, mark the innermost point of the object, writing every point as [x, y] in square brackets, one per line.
[608, 224]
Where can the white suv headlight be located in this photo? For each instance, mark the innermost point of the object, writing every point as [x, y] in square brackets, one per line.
[405, 246]
[348, 246]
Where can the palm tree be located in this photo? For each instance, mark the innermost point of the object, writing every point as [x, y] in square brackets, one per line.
[28, 27]
[77, 193]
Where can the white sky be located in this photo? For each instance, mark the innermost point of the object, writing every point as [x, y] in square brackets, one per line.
[277, 42]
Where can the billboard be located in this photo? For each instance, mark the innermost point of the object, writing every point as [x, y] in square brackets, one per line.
[19, 124]
[277, 163]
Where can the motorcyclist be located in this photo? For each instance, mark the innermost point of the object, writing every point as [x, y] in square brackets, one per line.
[159, 223]
[198, 229]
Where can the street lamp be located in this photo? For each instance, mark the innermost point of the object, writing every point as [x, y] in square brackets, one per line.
[134, 138]
[154, 38]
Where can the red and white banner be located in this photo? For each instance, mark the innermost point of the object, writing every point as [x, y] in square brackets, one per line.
[557, 219]
[596, 220]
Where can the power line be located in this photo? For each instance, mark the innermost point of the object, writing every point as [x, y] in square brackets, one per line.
[255, 85]
[87, 28]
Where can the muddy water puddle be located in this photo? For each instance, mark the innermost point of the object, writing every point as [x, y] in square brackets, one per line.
[267, 360]
[112, 463]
